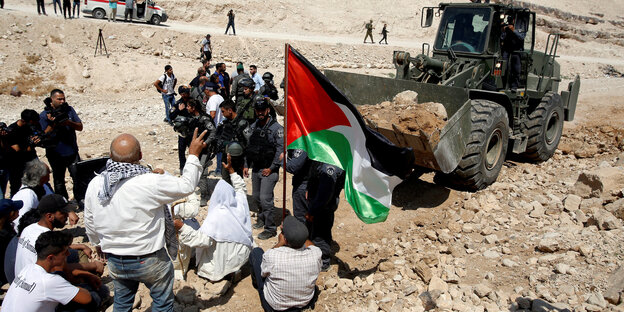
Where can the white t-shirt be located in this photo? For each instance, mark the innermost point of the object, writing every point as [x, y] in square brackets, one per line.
[34, 289]
[213, 105]
[168, 84]
[26, 253]
[206, 44]
[29, 197]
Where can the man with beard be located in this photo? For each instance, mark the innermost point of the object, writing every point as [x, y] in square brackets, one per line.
[60, 122]
[53, 211]
[224, 80]
[263, 156]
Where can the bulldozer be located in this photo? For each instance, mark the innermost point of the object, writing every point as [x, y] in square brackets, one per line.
[500, 98]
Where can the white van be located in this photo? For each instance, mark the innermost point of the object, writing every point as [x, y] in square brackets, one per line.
[148, 11]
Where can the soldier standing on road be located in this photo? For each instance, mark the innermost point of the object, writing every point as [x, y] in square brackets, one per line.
[324, 187]
[384, 34]
[263, 156]
[369, 31]
[230, 16]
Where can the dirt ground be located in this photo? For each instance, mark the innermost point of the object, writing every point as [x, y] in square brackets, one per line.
[482, 251]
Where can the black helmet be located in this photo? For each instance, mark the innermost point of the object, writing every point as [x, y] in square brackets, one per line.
[247, 82]
[181, 125]
[261, 102]
[267, 76]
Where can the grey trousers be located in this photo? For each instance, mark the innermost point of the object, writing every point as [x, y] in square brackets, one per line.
[262, 193]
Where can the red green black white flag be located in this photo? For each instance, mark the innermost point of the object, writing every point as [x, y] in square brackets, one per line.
[322, 122]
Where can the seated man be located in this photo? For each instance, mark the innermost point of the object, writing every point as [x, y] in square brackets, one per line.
[285, 276]
[53, 211]
[36, 288]
[223, 243]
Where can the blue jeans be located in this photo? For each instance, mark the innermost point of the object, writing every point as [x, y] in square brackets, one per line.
[219, 157]
[154, 270]
[169, 100]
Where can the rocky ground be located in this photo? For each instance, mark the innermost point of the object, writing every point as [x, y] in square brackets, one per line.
[544, 237]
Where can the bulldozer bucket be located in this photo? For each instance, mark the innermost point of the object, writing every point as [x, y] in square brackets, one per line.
[449, 149]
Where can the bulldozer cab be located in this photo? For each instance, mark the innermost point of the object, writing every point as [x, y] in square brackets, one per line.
[464, 30]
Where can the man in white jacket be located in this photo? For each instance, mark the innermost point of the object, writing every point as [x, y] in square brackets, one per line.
[126, 217]
[224, 241]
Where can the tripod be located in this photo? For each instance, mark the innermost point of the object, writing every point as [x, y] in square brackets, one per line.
[100, 42]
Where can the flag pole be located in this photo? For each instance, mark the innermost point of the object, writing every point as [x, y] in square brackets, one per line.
[286, 48]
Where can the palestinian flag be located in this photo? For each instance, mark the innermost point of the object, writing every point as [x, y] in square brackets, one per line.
[321, 121]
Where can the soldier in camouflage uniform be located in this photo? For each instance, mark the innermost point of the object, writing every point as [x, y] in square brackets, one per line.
[369, 31]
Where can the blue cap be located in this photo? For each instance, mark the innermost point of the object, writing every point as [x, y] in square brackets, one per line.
[7, 205]
[211, 86]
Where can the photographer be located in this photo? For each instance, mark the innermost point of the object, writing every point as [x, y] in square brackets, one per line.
[60, 122]
[21, 138]
[203, 122]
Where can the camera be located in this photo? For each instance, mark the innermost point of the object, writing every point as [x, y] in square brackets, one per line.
[4, 129]
[60, 115]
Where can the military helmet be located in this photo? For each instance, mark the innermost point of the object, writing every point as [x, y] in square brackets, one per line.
[267, 76]
[261, 102]
[181, 125]
[247, 82]
[234, 149]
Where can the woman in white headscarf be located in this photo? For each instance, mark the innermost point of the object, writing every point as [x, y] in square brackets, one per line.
[223, 242]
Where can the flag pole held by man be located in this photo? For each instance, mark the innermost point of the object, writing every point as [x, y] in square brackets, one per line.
[324, 123]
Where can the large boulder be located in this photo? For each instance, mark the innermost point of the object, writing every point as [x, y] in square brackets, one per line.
[602, 180]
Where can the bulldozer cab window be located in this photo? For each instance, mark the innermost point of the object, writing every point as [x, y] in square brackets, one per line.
[464, 30]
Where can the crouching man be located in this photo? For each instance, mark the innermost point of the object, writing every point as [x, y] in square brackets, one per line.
[36, 288]
[285, 276]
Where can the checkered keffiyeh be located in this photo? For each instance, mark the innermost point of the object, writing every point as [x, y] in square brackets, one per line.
[116, 172]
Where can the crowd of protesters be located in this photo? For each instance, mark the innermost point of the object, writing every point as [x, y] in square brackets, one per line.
[140, 221]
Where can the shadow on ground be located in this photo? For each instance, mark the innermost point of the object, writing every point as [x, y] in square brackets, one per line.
[414, 193]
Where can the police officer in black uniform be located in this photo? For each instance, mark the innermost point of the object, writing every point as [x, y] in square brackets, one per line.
[179, 109]
[233, 129]
[201, 120]
[324, 187]
[263, 157]
[268, 89]
[298, 164]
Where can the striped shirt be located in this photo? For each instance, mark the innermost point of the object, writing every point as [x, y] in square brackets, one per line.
[290, 276]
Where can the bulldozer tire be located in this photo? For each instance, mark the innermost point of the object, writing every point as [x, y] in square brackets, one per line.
[544, 128]
[487, 146]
